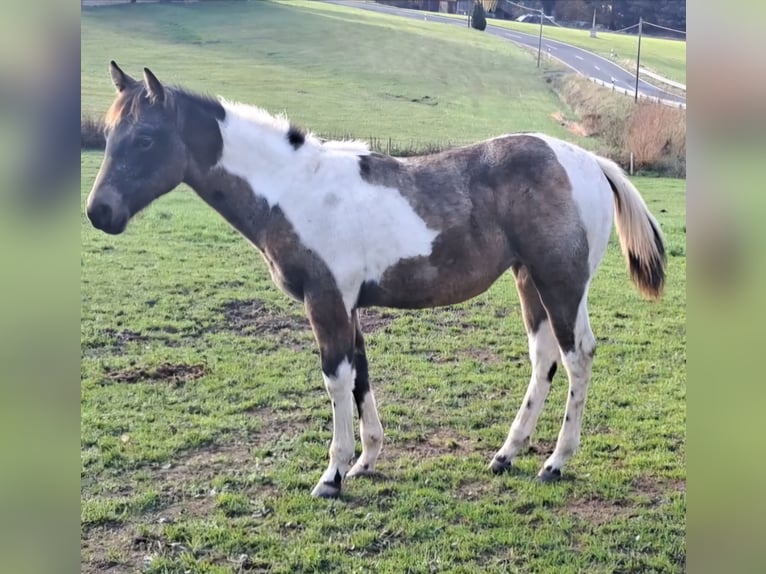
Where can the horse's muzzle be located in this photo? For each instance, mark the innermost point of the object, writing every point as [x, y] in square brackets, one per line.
[103, 217]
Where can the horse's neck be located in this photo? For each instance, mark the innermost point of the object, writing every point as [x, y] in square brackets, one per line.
[255, 160]
[233, 198]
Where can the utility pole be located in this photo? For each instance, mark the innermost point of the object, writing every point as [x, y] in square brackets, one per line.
[593, 27]
[638, 55]
[540, 40]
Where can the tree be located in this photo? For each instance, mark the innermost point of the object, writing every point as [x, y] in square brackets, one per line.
[478, 19]
[573, 10]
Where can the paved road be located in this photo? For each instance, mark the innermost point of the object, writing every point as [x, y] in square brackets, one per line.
[586, 63]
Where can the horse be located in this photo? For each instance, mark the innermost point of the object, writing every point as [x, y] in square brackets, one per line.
[343, 228]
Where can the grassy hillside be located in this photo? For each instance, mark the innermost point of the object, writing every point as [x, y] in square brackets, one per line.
[334, 70]
[666, 57]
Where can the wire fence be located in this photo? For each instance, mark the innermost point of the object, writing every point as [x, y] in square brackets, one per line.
[665, 28]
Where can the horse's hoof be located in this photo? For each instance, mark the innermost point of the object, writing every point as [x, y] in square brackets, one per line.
[361, 470]
[500, 464]
[326, 490]
[549, 474]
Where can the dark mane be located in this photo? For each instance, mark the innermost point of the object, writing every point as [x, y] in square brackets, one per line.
[204, 102]
[128, 103]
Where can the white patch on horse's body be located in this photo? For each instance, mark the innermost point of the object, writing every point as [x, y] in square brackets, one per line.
[353, 146]
[357, 229]
[591, 192]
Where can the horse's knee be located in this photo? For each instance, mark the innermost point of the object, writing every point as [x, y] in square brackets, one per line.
[338, 376]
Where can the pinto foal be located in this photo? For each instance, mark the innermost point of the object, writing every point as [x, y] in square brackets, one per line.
[343, 228]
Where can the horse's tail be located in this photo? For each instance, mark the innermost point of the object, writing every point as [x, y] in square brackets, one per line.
[640, 236]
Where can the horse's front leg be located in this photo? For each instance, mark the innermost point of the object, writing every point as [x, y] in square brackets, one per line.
[370, 429]
[333, 329]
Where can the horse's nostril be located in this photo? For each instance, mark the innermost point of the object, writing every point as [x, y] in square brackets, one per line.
[100, 214]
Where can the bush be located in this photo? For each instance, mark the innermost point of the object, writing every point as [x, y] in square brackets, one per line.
[478, 19]
[653, 132]
[656, 136]
[92, 134]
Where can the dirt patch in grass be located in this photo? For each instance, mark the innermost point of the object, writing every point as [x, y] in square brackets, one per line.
[374, 320]
[438, 443]
[174, 374]
[480, 355]
[254, 317]
[657, 490]
[280, 424]
[112, 342]
[121, 338]
[203, 464]
[542, 446]
[573, 127]
[598, 511]
[188, 486]
[474, 490]
[109, 549]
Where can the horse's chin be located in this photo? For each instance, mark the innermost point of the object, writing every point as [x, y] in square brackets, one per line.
[114, 227]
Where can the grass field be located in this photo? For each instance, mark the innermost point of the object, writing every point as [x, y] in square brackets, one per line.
[399, 79]
[665, 57]
[204, 420]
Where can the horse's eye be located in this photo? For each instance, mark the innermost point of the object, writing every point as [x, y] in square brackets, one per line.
[144, 142]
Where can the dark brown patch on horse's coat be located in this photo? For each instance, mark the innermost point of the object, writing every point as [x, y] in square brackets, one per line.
[199, 128]
[552, 372]
[296, 137]
[498, 203]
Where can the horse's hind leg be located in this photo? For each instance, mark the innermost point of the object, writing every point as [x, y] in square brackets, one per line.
[544, 354]
[370, 429]
[578, 346]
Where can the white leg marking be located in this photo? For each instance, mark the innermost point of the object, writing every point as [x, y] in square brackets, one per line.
[543, 353]
[578, 364]
[339, 387]
[371, 433]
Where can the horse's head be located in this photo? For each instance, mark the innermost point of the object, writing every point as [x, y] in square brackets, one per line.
[145, 155]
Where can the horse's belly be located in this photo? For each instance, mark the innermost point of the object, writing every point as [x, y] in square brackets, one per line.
[417, 283]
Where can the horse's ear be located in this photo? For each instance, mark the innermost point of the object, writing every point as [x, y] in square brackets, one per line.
[153, 86]
[121, 79]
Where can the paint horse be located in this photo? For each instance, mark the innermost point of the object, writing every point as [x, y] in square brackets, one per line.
[342, 228]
